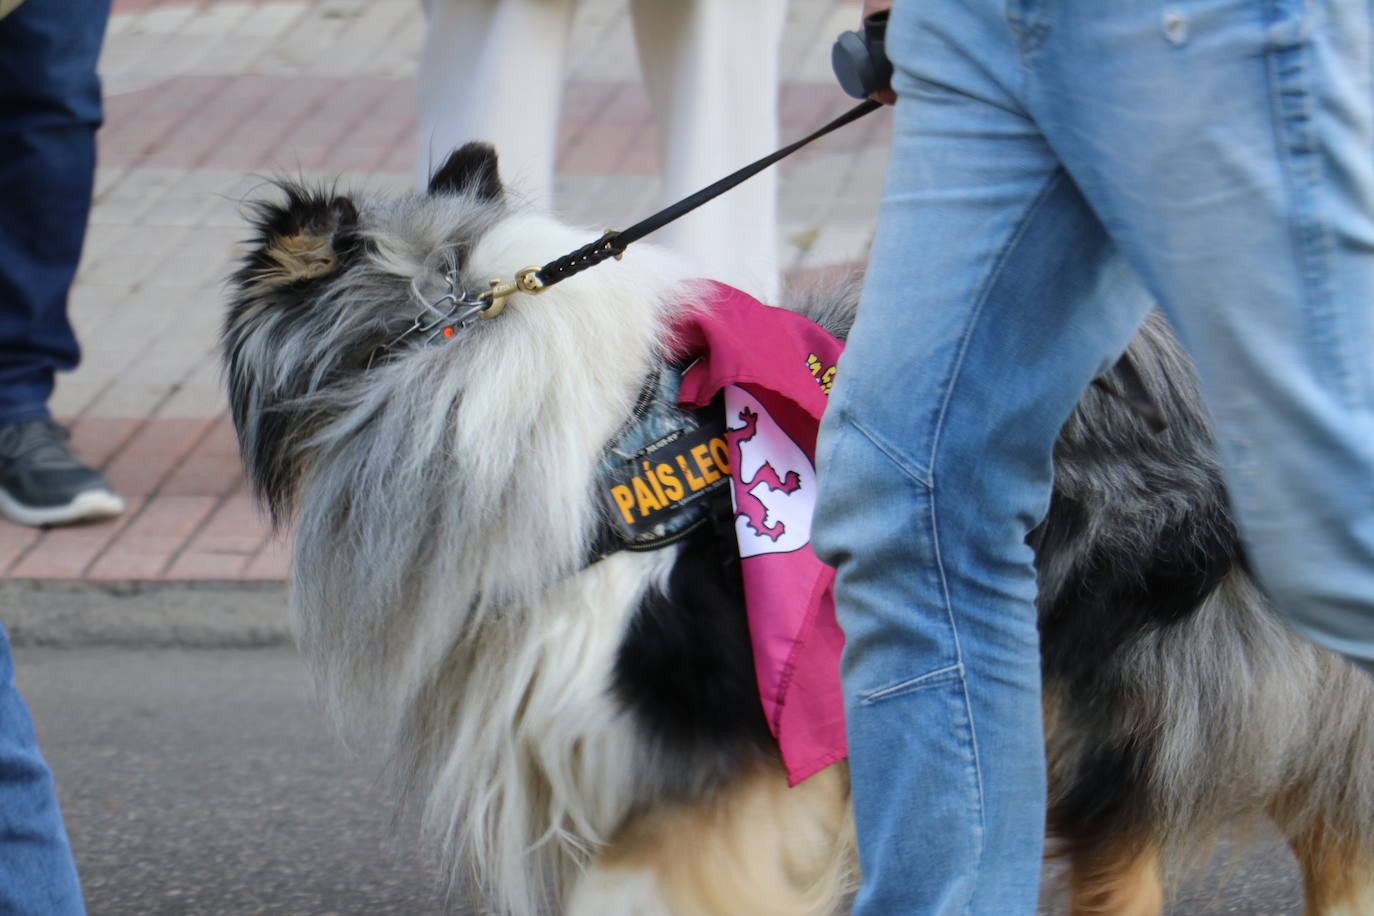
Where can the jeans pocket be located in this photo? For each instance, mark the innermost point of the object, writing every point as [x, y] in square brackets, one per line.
[937, 678]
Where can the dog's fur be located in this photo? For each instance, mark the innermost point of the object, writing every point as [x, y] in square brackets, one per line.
[588, 738]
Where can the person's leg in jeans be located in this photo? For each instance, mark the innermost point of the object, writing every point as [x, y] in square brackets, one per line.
[993, 298]
[1225, 148]
[1230, 148]
[37, 874]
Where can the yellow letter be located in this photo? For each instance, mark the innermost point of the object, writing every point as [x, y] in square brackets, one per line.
[704, 463]
[644, 497]
[720, 451]
[624, 499]
[671, 485]
[693, 481]
[653, 482]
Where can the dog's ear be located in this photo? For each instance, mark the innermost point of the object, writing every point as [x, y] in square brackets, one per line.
[301, 240]
[470, 168]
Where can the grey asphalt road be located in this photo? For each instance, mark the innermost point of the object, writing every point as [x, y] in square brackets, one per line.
[205, 781]
[200, 782]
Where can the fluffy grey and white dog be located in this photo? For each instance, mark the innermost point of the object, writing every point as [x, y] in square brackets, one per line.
[583, 730]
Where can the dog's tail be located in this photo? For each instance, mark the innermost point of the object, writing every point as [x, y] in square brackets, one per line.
[830, 301]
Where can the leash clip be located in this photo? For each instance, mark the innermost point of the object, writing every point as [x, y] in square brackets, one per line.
[526, 281]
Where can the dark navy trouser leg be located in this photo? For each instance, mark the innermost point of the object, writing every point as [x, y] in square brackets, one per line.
[50, 108]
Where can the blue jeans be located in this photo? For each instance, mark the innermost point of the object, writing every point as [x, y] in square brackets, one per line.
[37, 874]
[1048, 157]
[49, 112]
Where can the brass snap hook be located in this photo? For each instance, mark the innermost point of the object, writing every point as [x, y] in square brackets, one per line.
[526, 281]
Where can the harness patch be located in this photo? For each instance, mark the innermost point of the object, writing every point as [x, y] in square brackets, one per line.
[665, 471]
[666, 478]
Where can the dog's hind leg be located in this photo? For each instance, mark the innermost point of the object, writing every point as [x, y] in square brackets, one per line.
[1337, 872]
[756, 847]
[1119, 880]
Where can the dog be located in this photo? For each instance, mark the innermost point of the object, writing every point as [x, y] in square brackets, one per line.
[581, 729]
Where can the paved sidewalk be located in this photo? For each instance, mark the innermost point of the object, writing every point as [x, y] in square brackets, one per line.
[204, 99]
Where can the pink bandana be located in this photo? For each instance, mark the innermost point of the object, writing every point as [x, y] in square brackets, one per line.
[775, 368]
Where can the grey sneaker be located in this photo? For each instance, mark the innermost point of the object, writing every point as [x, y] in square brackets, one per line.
[43, 483]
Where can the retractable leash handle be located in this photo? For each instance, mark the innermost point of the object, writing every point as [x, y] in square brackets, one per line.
[859, 59]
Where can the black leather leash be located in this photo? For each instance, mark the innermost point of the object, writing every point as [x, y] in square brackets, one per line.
[614, 242]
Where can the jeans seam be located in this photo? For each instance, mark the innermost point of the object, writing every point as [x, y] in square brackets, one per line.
[1030, 27]
[889, 452]
[989, 282]
[979, 814]
[1292, 102]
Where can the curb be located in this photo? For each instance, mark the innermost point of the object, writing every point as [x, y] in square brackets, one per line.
[188, 615]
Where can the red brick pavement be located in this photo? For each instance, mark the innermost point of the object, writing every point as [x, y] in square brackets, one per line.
[190, 515]
[368, 124]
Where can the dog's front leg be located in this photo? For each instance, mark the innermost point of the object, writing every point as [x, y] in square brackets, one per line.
[617, 890]
[754, 846]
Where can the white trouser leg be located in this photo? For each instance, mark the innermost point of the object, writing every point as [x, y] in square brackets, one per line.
[711, 71]
[493, 70]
